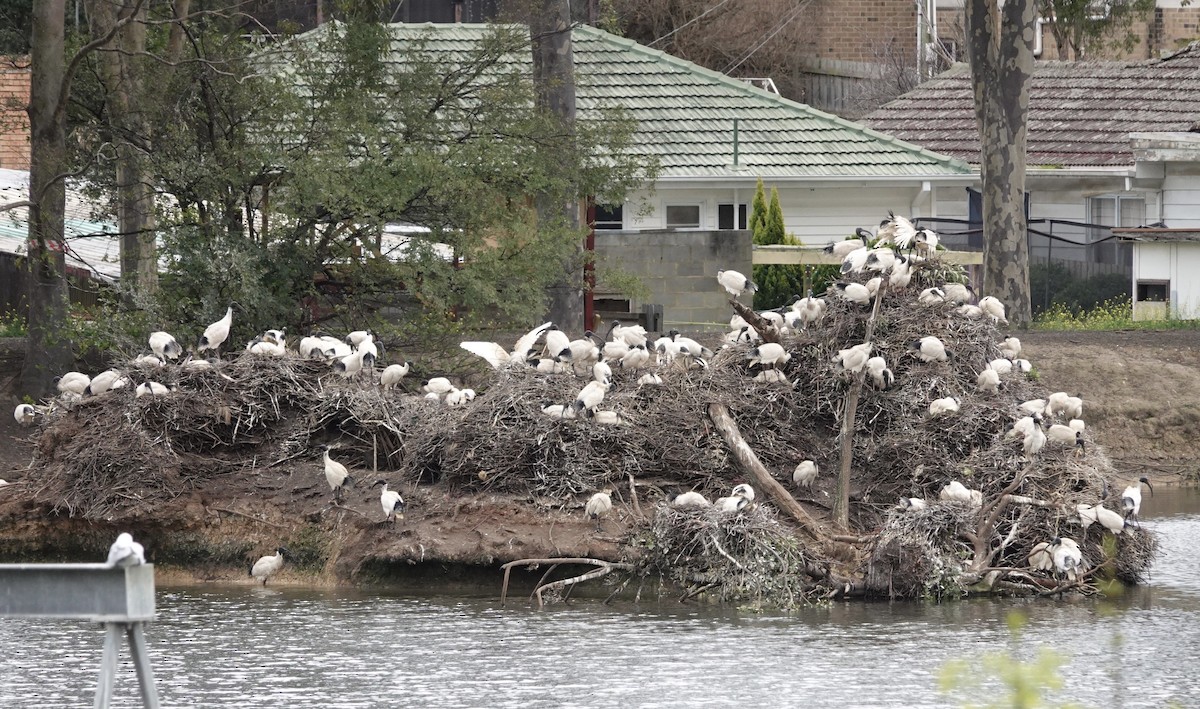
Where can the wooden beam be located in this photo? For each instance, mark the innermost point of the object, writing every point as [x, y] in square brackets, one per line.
[816, 256]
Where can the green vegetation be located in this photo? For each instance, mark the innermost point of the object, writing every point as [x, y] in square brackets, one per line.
[279, 170]
[1114, 314]
[1053, 284]
[11, 325]
[1022, 685]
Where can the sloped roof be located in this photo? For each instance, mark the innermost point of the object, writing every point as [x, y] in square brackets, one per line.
[1080, 113]
[685, 113]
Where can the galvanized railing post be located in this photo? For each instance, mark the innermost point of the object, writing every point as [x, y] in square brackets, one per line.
[121, 598]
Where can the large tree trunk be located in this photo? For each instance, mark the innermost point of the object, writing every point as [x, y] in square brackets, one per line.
[135, 196]
[48, 353]
[554, 77]
[1000, 47]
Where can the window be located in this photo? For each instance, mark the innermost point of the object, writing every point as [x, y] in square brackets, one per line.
[610, 216]
[683, 216]
[1116, 210]
[1154, 291]
[725, 216]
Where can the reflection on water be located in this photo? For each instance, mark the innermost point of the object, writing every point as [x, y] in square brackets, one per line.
[250, 647]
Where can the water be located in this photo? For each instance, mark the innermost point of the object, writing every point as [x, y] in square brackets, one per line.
[252, 647]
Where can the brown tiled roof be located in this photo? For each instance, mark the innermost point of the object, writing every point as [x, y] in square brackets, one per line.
[1080, 113]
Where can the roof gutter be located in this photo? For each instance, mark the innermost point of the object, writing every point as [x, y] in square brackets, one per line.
[750, 178]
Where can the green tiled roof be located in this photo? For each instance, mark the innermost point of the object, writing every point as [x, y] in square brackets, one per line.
[685, 114]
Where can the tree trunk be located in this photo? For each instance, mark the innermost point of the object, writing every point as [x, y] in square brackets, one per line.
[1000, 48]
[135, 197]
[554, 79]
[48, 353]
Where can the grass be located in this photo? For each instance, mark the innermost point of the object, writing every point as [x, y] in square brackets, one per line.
[1114, 314]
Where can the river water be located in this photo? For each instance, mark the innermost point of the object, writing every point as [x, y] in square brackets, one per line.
[253, 647]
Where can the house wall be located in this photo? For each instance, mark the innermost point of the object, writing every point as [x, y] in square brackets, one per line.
[679, 268]
[1173, 262]
[814, 215]
[14, 123]
[1180, 196]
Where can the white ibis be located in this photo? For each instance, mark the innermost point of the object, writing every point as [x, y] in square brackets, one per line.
[268, 566]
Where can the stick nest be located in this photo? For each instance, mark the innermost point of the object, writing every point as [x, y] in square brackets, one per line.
[114, 454]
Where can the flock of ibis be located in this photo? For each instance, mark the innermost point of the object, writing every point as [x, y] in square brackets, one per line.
[884, 262]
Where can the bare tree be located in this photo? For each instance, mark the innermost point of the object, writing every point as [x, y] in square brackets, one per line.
[1000, 47]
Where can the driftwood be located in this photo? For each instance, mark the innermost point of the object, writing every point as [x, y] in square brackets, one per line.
[605, 568]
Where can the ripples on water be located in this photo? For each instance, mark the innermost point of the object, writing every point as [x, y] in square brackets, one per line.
[252, 647]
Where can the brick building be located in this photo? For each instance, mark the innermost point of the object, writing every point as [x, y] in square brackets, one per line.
[14, 123]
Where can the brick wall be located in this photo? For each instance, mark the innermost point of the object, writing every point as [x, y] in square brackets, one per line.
[858, 30]
[14, 123]
[679, 268]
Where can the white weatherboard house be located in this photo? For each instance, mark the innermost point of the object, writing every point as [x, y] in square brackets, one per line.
[1086, 173]
[714, 137]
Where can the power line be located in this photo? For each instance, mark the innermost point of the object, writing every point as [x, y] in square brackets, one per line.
[762, 43]
[694, 19]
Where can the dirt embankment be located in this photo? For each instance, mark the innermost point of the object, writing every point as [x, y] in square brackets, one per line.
[1142, 403]
[1141, 393]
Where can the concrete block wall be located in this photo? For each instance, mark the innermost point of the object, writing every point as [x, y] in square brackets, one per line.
[679, 268]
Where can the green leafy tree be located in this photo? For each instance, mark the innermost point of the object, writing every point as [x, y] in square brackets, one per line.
[280, 166]
[758, 211]
[776, 283]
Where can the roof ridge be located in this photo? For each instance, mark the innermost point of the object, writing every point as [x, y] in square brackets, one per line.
[750, 90]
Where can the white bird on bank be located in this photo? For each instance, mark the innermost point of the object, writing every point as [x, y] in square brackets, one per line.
[164, 345]
[1035, 439]
[737, 501]
[932, 296]
[1001, 366]
[809, 310]
[854, 292]
[957, 492]
[988, 381]
[439, 386]
[957, 293]
[1067, 557]
[268, 566]
[102, 382]
[498, 357]
[690, 499]
[1090, 514]
[337, 475]
[842, 249]
[352, 363]
[151, 389]
[393, 374]
[912, 504]
[391, 502]
[591, 396]
[459, 397]
[216, 334]
[1010, 348]
[993, 308]
[1131, 499]
[602, 373]
[125, 552]
[1033, 406]
[1040, 557]
[638, 357]
[805, 473]
[25, 414]
[74, 383]
[945, 405]
[768, 354]
[881, 376]
[930, 349]
[598, 506]
[1062, 403]
[650, 379]
[735, 283]
[853, 359]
